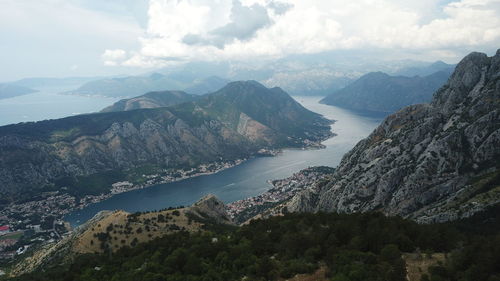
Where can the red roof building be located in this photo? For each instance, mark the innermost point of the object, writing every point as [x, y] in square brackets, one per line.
[4, 228]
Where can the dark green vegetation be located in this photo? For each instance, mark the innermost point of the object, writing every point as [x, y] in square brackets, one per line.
[352, 247]
[380, 92]
[151, 100]
[91, 150]
[266, 106]
[11, 90]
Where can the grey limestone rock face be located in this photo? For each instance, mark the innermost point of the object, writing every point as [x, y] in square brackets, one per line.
[210, 208]
[36, 155]
[430, 162]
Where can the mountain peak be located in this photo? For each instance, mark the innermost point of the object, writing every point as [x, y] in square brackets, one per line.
[210, 207]
[156, 76]
[469, 72]
[380, 92]
[429, 162]
[439, 64]
[376, 74]
[245, 83]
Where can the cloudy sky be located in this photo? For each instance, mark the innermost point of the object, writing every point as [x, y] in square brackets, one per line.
[94, 37]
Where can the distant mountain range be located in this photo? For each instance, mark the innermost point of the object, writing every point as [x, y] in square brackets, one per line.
[313, 82]
[426, 70]
[233, 123]
[40, 82]
[132, 86]
[429, 162]
[301, 75]
[151, 100]
[11, 90]
[380, 92]
[206, 85]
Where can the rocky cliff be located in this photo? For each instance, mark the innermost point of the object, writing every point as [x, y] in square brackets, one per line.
[430, 162]
[233, 123]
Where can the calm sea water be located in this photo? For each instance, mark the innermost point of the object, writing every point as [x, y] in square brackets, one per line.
[47, 103]
[248, 179]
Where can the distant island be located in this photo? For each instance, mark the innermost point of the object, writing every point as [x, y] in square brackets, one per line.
[8, 90]
[132, 86]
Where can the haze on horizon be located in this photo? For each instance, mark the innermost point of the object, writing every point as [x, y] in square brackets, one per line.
[62, 38]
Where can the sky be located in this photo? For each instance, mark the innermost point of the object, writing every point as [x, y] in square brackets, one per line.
[61, 38]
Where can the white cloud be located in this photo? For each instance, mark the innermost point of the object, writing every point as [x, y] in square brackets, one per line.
[245, 21]
[185, 30]
[47, 37]
[114, 57]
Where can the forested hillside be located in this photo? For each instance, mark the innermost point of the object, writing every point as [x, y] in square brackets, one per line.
[338, 246]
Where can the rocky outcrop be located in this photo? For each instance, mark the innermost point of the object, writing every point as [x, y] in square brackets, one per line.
[430, 162]
[210, 208]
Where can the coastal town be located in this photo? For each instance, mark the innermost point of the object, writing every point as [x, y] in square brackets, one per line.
[41, 220]
[27, 223]
[283, 189]
[28, 226]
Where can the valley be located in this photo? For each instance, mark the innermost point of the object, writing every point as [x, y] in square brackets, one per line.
[249, 140]
[256, 184]
[183, 187]
[249, 178]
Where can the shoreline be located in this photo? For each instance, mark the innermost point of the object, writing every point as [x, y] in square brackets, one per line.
[309, 145]
[57, 205]
[114, 192]
[242, 210]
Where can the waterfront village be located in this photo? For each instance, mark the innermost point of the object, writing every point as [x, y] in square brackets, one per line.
[41, 221]
[282, 190]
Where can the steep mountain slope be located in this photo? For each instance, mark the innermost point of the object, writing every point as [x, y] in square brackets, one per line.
[256, 105]
[150, 100]
[233, 123]
[429, 162]
[11, 90]
[380, 92]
